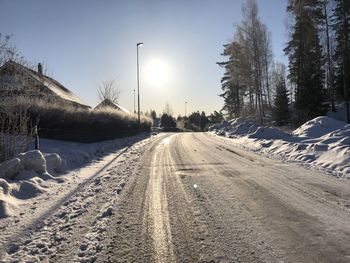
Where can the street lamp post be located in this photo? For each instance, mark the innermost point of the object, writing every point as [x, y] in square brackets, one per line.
[185, 108]
[138, 83]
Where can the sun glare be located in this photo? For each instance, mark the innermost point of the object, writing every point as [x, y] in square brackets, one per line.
[157, 72]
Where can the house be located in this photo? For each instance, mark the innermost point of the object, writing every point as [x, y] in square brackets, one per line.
[17, 80]
[106, 103]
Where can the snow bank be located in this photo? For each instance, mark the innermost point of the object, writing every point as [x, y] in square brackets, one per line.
[32, 173]
[322, 142]
[25, 177]
[318, 127]
[7, 203]
[234, 127]
[268, 134]
[34, 161]
[54, 163]
[73, 155]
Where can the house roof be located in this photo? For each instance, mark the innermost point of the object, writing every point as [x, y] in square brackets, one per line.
[109, 103]
[56, 87]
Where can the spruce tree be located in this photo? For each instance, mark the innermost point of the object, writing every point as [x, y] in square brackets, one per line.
[230, 82]
[341, 25]
[305, 59]
[203, 121]
[281, 104]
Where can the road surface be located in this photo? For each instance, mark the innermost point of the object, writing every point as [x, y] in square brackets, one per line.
[187, 197]
[196, 198]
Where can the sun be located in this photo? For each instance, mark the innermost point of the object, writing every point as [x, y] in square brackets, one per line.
[157, 72]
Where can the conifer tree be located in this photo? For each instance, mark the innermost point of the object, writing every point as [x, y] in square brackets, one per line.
[341, 24]
[305, 59]
[231, 81]
[203, 121]
[281, 103]
[328, 39]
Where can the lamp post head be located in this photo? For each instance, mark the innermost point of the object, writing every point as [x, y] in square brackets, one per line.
[140, 44]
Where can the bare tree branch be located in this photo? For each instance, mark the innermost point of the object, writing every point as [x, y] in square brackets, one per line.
[108, 90]
[9, 51]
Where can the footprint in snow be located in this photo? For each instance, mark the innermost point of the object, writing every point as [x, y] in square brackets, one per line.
[83, 246]
[107, 213]
[12, 248]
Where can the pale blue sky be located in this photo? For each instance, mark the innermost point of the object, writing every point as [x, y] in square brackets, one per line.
[84, 42]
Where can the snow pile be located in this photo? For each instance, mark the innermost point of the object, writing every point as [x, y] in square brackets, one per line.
[32, 161]
[10, 168]
[35, 172]
[234, 127]
[268, 134]
[32, 173]
[318, 127]
[13, 193]
[322, 142]
[25, 177]
[74, 155]
[7, 202]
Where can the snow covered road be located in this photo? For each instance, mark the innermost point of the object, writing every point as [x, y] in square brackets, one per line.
[199, 199]
[190, 197]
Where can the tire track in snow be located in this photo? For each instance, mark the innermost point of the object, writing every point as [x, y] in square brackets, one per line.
[158, 206]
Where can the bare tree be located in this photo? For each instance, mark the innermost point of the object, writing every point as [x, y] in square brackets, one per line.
[255, 39]
[9, 51]
[252, 27]
[108, 90]
[267, 60]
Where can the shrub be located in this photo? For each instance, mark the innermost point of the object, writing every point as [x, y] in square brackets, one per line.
[65, 122]
[16, 129]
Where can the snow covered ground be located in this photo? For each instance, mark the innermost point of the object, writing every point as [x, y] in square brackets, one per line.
[53, 189]
[322, 143]
[34, 172]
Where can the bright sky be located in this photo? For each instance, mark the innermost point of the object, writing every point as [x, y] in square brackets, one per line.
[83, 42]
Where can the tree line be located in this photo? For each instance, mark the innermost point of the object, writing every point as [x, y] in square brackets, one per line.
[256, 86]
[195, 121]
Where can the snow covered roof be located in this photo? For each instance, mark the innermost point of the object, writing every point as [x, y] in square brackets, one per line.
[109, 103]
[53, 85]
